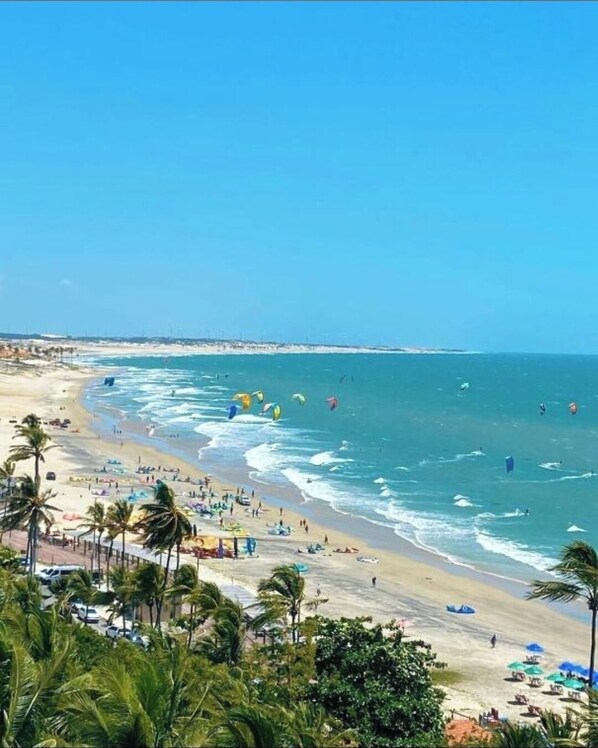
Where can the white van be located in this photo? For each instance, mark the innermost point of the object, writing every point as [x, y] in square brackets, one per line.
[50, 573]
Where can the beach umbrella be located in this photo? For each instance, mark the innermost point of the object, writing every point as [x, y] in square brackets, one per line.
[573, 684]
[535, 647]
[579, 670]
[584, 672]
[568, 666]
[534, 670]
[556, 678]
[516, 666]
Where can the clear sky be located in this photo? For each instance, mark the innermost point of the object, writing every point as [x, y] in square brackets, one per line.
[376, 173]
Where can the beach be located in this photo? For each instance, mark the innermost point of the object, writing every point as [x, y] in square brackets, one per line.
[408, 586]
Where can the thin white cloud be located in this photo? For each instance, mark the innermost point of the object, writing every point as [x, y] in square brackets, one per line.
[66, 282]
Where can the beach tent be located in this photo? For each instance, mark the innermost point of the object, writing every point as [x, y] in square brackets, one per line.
[462, 609]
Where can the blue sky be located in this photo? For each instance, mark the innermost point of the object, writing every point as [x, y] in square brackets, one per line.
[399, 174]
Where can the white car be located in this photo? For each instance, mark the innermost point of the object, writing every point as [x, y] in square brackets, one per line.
[88, 615]
[115, 632]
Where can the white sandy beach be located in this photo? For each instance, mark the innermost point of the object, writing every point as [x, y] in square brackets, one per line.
[405, 589]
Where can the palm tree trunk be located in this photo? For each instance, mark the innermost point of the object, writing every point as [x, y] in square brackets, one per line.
[151, 612]
[99, 554]
[178, 557]
[37, 476]
[93, 551]
[191, 622]
[122, 560]
[293, 631]
[163, 590]
[108, 564]
[593, 646]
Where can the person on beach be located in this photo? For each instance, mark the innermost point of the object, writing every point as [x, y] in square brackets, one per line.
[325, 539]
[493, 641]
[373, 581]
[318, 591]
[281, 511]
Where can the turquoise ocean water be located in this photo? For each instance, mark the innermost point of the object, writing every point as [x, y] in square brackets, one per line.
[406, 448]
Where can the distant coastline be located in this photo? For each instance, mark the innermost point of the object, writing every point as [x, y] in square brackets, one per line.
[165, 346]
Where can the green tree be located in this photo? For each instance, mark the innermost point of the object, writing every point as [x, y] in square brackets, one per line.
[125, 591]
[95, 520]
[80, 584]
[577, 579]
[7, 471]
[155, 702]
[163, 526]
[36, 446]
[28, 510]
[189, 589]
[119, 521]
[282, 595]
[148, 580]
[378, 684]
[518, 736]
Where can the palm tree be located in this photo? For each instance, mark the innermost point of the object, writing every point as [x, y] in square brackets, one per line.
[125, 591]
[95, 522]
[149, 579]
[225, 642]
[163, 526]
[518, 736]
[80, 583]
[578, 579]
[7, 471]
[111, 532]
[119, 520]
[159, 702]
[28, 509]
[37, 443]
[189, 589]
[282, 595]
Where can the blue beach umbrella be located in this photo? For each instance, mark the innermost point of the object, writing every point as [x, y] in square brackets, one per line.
[568, 666]
[535, 647]
[581, 670]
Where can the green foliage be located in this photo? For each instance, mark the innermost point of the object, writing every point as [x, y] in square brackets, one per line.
[9, 559]
[377, 683]
[577, 579]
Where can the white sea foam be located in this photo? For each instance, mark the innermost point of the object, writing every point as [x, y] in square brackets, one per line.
[551, 465]
[459, 496]
[382, 481]
[515, 551]
[387, 493]
[327, 458]
[402, 467]
[463, 502]
[344, 446]
[575, 528]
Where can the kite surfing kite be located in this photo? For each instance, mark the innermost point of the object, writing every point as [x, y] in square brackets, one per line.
[232, 411]
[299, 398]
[275, 408]
[573, 408]
[244, 398]
[333, 402]
[259, 395]
[510, 464]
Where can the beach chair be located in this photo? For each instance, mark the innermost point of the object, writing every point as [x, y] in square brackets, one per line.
[521, 698]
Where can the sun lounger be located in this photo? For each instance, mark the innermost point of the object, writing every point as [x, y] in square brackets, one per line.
[556, 688]
[521, 698]
[575, 695]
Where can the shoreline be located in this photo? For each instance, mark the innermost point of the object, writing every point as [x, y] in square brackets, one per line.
[377, 536]
[406, 588]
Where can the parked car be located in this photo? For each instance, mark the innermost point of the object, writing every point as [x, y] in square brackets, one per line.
[243, 500]
[50, 475]
[51, 573]
[135, 638]
[115, 632]
[75, 605]
[88, 615]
